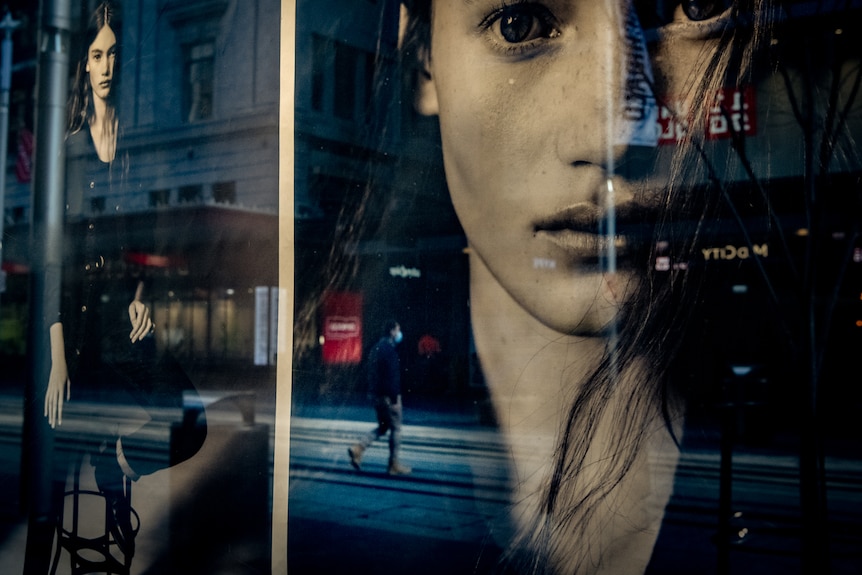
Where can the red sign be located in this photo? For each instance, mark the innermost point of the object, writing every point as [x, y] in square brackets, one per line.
[733, 111]
[342, 328]
[672, 123]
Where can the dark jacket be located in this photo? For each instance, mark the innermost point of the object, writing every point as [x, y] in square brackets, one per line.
[384, 370]
[96, 289]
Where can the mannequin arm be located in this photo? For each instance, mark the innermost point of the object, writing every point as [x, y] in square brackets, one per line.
[59, 385]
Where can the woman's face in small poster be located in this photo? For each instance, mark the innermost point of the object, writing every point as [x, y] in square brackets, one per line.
[100, 62]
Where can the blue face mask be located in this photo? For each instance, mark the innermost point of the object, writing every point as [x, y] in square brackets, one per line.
[398, 337]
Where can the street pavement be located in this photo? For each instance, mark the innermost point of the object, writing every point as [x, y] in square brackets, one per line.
[448, 516]
[444, 516]
[436, 520]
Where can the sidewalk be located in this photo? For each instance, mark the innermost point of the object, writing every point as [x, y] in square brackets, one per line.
[457, 487]
[464, 460]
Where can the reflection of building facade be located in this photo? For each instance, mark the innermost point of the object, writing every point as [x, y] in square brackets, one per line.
[351, 130]
[198, 103]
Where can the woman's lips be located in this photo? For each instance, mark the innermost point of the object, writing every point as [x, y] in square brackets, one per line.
[580, 229]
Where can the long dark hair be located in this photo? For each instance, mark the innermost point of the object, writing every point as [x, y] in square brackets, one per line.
[80, 105]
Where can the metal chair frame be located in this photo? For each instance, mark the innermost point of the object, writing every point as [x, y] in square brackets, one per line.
[100, 546]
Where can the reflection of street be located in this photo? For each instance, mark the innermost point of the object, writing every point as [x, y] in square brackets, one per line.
[208, 514]
[766, 530]
[449, 465]
[436, 520]
[439, 519]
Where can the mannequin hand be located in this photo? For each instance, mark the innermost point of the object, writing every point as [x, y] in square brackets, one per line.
[139, 316]
[58, 379]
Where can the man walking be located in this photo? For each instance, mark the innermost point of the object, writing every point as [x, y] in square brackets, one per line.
[384, 385]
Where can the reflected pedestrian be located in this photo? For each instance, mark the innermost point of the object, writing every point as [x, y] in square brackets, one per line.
[384, 386]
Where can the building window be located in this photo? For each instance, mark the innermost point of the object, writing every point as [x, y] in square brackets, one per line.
[97, 204]
[342, 79]
[160, 198]
[368, 88]
[319, 64]
[334, 194]
[224, 192]
[346, 60]
[190, 194]
[199, 77]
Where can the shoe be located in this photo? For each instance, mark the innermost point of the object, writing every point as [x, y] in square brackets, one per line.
[396, 468]
[110, 481]
[355, 452]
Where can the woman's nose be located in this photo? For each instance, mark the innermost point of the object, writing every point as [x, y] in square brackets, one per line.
[608, 71]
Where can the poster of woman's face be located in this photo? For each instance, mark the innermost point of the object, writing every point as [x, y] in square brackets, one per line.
[602, 228]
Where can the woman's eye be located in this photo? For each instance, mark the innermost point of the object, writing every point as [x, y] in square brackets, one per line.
[653, 14]
[521, 23]
[700, 10]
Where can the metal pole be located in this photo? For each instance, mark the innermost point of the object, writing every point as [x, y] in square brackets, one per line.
[7, 25]
[46, 249]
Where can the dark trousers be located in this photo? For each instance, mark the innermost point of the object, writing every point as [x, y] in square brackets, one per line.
[389, 416]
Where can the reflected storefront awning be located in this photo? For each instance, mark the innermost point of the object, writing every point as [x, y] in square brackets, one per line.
[207, 244]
